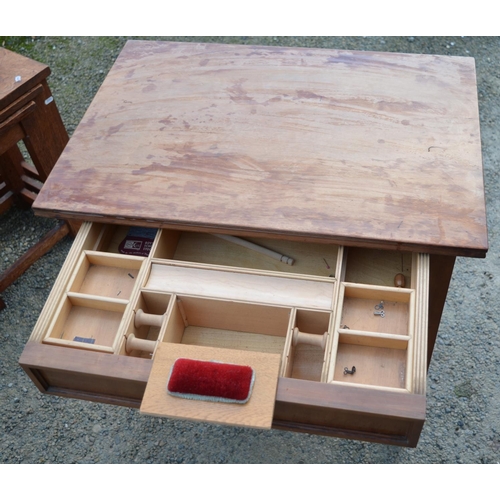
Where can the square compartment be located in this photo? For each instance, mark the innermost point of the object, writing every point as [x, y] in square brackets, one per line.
[86, 323]
[107, 275]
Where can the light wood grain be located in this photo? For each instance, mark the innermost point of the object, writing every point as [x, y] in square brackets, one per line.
[230, 339]
[375, 366]
[258, 412]
[241, 286]
[377, 149]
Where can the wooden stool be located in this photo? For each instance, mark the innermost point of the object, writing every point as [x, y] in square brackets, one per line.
[28, 114]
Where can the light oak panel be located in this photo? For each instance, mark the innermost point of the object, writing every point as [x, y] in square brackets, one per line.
[257, 412]
[241, 286]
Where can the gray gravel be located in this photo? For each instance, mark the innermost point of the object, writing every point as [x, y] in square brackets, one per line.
[463, 410]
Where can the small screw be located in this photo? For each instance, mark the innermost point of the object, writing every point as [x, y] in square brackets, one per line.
[379, 313]
[349, 372]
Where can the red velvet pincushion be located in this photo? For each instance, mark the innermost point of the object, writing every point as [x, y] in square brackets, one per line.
[210, 381]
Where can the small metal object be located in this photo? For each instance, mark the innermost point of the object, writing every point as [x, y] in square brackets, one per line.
[344, 327]
[379, 313]
[380, 306]
[130, 275]
[349, 372]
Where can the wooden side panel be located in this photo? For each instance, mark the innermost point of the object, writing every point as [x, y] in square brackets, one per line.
[441, 270]
[349, 412]
[86, 375]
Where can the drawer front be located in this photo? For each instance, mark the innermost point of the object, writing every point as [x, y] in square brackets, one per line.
[348, 326]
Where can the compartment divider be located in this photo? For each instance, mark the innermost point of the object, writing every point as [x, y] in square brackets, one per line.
[420, 282]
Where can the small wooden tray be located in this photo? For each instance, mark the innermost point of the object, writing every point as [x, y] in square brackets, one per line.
[259, 410]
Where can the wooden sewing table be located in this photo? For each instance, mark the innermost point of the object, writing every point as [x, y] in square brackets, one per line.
[363, 167]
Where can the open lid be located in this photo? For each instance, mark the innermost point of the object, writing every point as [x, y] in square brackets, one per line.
[256, 412]
[357, 148]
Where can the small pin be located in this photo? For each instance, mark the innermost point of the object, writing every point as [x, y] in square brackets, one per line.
[130, 275]
[327, 266]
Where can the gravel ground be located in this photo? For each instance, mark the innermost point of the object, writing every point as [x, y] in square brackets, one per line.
[463, 410]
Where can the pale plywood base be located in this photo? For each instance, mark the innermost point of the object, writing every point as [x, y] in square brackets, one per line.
[315, 260]
[228, 339]
[306, 362]
[375, 366]
[258, 412]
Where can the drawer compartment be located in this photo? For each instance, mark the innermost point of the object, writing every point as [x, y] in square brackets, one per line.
[86, 323]
[183, 296]
[107, 275]
[204, 248]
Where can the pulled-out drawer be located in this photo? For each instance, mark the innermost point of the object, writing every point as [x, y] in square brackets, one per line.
[337, 336]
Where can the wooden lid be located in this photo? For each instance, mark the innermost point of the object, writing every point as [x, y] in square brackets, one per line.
[257, 412]
[360, 148]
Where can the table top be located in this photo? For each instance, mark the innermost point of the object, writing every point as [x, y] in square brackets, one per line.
[18, 74]
[357, 148]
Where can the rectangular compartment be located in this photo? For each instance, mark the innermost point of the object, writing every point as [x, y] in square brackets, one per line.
[373, 336]
[307, 347]
[375, 308]
[106, 274]
[109, 237]
[86, 323]
[226, 283]
[227, 324]
[378, 361]
[311, 259]
[377, 267]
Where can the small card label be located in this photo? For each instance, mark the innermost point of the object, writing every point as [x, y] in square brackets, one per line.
[85, 340]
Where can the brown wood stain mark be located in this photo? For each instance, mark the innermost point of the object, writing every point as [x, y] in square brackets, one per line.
[149, 88]
[238, 94]
[291, 152]
[115, 129]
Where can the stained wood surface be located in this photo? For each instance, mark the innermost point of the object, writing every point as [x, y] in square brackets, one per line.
[377, 149]
[14, 65]
[258, 412]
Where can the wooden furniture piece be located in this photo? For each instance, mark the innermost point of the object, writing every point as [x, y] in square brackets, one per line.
[28, 114]
[363, 168]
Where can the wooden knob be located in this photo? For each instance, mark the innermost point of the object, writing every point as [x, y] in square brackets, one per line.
[135, 344]
[400, 280]
[142, 318]
[309, 338]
